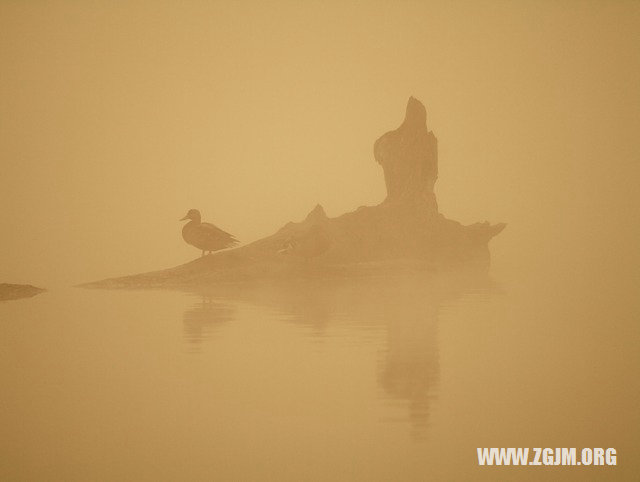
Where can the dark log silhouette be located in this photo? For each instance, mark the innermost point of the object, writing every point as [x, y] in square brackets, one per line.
[13, 292]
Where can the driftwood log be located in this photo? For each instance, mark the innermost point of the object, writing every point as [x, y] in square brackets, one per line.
[404, 232]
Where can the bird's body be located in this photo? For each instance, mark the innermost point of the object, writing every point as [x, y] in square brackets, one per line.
[205, 236]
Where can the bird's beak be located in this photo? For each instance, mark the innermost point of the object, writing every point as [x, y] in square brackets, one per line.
[186, 217]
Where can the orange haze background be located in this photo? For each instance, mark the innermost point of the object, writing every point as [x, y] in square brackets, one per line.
[117, 117]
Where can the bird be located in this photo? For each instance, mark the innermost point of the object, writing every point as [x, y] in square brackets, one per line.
[205, 236]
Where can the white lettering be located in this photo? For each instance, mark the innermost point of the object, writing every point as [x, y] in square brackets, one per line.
[569, 456]
[611, 457]
[547, 456]
[536, 460]
[598, 456]
[587, 456]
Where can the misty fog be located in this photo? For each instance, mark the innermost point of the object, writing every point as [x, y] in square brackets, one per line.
[117, 118]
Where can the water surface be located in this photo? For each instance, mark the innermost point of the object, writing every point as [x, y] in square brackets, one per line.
[396, 378]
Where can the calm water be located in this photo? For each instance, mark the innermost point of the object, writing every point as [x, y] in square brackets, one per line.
[397, 379]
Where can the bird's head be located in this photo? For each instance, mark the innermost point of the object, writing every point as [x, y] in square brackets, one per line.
[193, 214]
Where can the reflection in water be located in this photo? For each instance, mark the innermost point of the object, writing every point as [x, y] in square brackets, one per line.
[104, 385]
[403, 310]
[410, 371]
[203, 318]
[307, 307]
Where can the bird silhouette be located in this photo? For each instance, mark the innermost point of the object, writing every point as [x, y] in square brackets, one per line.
[205, 236]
